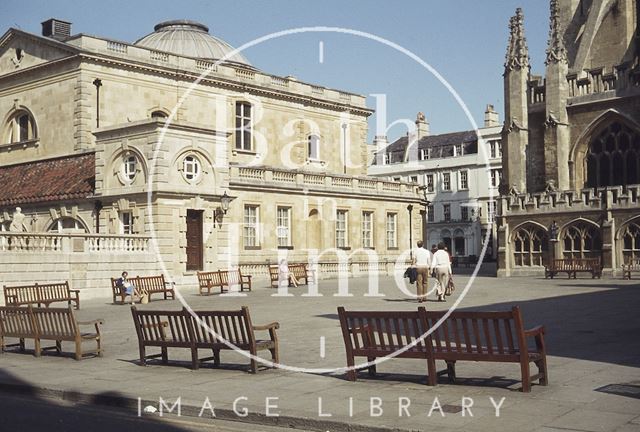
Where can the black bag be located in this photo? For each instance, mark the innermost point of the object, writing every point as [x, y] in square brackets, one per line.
[411, 273]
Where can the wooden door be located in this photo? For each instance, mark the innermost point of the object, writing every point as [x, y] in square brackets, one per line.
[194, 240]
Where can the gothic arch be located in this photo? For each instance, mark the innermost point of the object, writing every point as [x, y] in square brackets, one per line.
[586, 168]
[581, 238]
[529, 243]
[628, 237]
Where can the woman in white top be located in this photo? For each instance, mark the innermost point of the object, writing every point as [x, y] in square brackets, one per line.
[441, 263]
[285, 275]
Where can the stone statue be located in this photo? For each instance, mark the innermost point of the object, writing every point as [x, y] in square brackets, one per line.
[421, 117]
[17, 221]
[553, 231]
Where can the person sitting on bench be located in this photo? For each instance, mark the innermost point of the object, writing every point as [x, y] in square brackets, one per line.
[127, 287]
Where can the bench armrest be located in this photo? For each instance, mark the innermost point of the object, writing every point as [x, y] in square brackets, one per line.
[170, 283]
[97, 323]
[246, 277]
[75, 291]
[538, 330]
[273, 325]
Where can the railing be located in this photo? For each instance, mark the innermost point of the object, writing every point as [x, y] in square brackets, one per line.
[116, 46]
[246, 74]
[341, 181]
[280, 82]
[315, 179]
[69, 243]
[160, 56]
[321, 181]
[252, 173]
[284, 176]
[204, 65]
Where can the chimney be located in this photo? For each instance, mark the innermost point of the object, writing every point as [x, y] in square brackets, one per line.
[422, 126]
[491, 117]
[380, 143]
[56, 29]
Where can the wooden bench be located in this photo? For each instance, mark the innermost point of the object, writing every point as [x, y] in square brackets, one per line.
[223, 279]
[145, 285]
[573, 266]
[41, 294]
[462, 336]
[179, 329]
[374, 334]
[631, 265]
[299, 270]
[53, 324]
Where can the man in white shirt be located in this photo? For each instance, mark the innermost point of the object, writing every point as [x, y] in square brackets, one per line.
[441, 263]
[422, 263]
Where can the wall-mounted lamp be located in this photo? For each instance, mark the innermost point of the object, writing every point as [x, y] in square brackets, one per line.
[219, 212]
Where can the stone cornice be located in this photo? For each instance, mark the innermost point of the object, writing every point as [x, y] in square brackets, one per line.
[242, 87]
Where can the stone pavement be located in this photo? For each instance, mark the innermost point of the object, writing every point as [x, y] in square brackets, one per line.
[592, 336]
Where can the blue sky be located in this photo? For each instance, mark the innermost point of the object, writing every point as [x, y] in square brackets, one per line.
[464, 40]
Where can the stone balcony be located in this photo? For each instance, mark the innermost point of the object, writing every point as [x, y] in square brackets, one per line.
[72, 242]
[332, 184]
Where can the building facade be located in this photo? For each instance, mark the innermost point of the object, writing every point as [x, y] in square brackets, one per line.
[460, 173]
[178, 145]
[571, 140]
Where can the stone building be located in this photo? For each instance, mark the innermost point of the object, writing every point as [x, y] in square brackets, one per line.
[571, 140]
[460, 172]
[177, 144]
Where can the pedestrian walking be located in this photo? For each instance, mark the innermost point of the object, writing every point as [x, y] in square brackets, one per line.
[441, 264]
[422, 263]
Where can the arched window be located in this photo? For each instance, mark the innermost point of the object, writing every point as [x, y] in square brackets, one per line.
[129, 167]
[313, 147]
[20, 127]
[159, 115]
[66, 223]
[631, 241]
[191, 168]
[529, 246]
[613, 158]
[582, 240]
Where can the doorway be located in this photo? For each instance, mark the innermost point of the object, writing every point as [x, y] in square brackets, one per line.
[194, 240]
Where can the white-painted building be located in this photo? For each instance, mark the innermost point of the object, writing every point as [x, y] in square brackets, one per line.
[461, 173]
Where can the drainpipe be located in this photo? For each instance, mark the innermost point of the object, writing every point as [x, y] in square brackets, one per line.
[98, 83]
[98, 207]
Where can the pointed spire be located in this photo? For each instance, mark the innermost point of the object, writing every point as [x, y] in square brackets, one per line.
[517, 52]
[556, 51]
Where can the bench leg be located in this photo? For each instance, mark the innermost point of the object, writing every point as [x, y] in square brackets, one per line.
[78, 350]
[195, 363]
[22, 344]
[372, 368]
[432, 378]
[254, 364]
[216, 357]
[59, 347]
[165, 355]
[275, 356]
[352, 374]
[37, 348]
[451, 371]
[143, 356]
[542, 369]
[99, 346]
[526, 376]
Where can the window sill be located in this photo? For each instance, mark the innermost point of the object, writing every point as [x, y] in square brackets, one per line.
[253, 248]
[285, 247]
[236, 152]
[393, 248]
[344, 248]
[20, 144]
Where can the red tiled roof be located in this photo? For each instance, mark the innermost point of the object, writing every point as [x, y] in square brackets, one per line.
[64, 178]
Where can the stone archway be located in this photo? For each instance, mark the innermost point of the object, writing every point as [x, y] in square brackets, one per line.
[581, 239]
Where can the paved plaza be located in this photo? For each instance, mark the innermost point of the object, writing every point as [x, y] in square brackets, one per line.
[593, 349]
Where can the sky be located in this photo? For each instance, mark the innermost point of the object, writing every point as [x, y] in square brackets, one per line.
[464, 41]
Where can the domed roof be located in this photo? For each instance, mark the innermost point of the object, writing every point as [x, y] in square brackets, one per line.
[190, 39]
